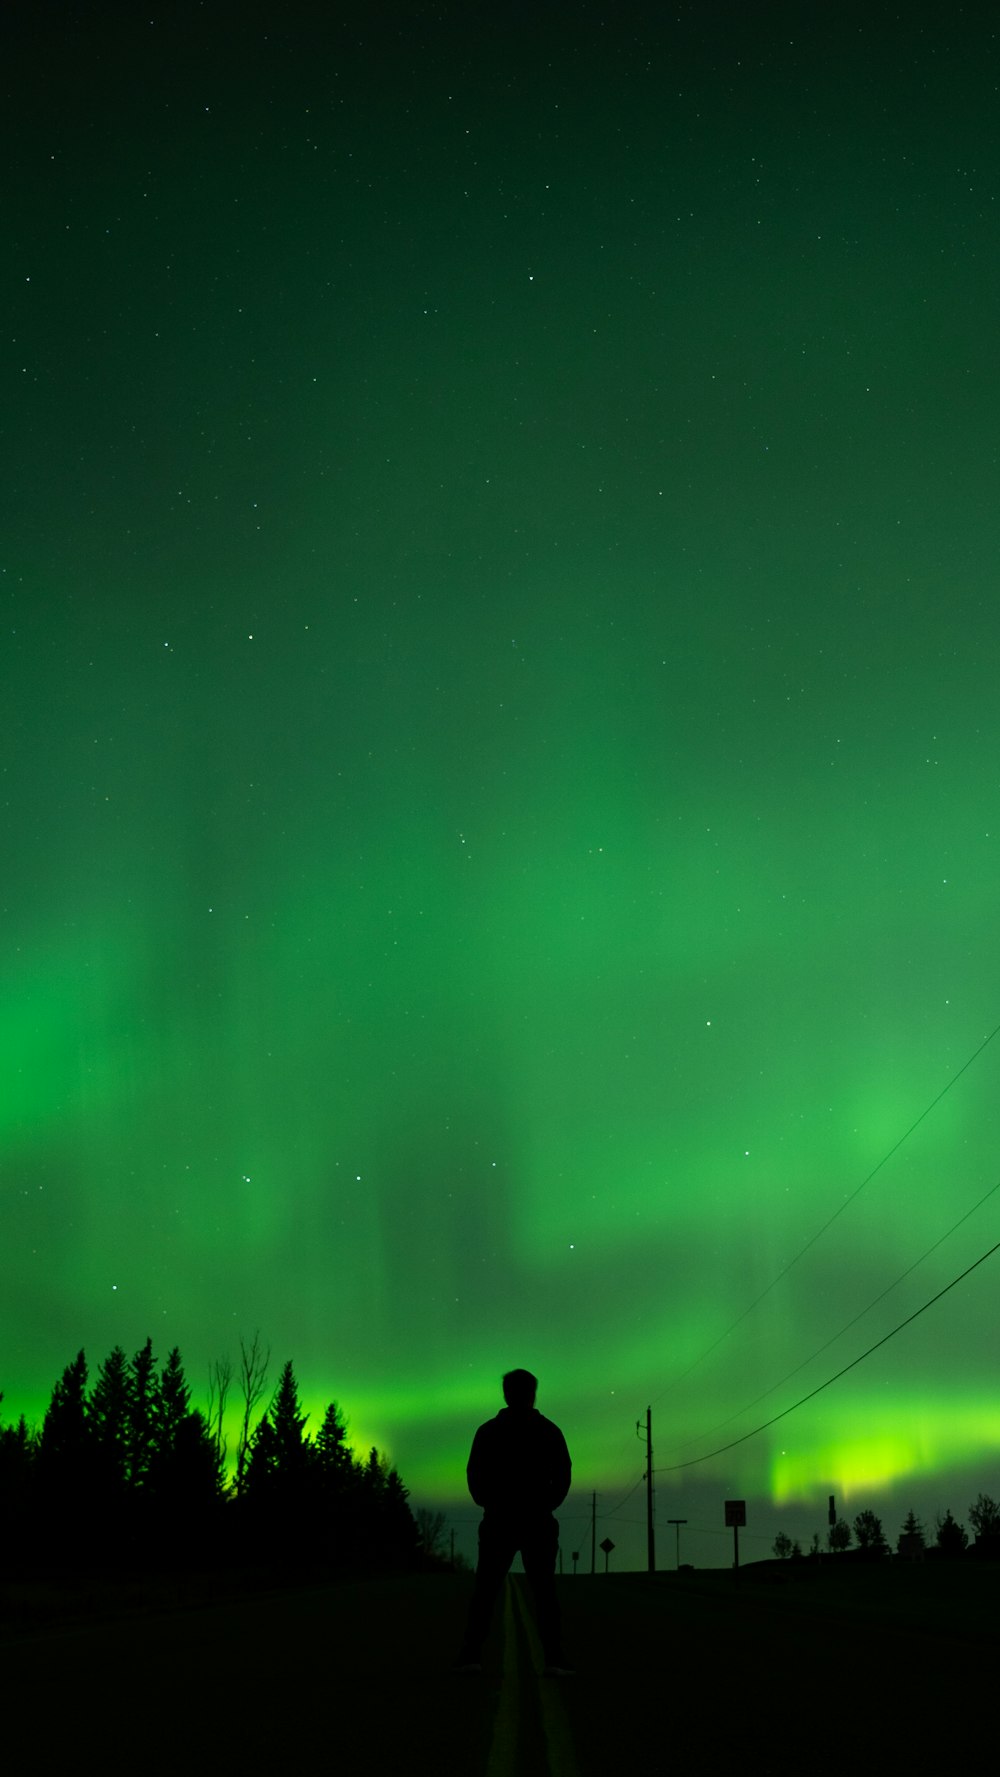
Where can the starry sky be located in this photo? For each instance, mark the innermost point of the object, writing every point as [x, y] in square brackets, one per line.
[500, 727]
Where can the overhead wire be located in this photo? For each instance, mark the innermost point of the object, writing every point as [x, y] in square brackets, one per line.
[722, 1423]
[811, 1242]
[611, 1510]
[695, 1461]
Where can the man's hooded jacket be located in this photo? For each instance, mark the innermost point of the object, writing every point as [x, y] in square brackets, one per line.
[519, 1464]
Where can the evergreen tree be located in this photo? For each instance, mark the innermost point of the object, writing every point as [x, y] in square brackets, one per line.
[279, 1475]
[387, 1530]
[373, 1476]
[186, 1469]
[362, 1524]
[911, 1541]
[261, 1467]
[142, 1418]
[400, 1537]
[337, 1489]
[172, 1407]
[110, 1416]
[952, 1539]
[291, 1447]
[64, 1444]
[63, 1469]
[782, 1545]
[17, 1453]
[334, 1460]
[196, 1467]
[18, 1519]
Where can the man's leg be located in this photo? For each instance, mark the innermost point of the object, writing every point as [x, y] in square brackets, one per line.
[497, 1548]
[539, 1547]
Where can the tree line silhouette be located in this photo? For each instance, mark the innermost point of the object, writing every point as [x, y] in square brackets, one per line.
[950, 1542]
[127, 1471]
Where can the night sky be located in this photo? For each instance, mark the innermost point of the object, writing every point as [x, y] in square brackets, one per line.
[501, 731]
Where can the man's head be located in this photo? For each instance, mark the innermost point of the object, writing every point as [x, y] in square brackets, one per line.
[520, 1388]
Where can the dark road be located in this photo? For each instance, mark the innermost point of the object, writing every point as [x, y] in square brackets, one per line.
[894, 1670]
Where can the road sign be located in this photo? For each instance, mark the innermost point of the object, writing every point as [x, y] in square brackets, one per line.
[736, 1513]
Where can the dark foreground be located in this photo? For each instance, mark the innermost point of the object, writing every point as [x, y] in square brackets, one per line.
[870, 1670]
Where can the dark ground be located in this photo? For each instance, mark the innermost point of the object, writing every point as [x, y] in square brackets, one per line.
[872, 1669]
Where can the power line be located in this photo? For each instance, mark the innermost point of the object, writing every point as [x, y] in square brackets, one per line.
[811, 1242]
[886, 1157]
[624, 1498]
[722, 1423]
[672, 1468]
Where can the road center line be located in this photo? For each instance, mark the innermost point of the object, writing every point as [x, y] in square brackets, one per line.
[503, 1747]
[558, 1739]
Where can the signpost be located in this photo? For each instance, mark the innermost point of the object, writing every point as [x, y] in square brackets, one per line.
[736, 1514]
[607, 1545]
[678, 1522]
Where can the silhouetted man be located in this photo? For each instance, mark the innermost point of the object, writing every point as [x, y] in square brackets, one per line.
[519, 1472]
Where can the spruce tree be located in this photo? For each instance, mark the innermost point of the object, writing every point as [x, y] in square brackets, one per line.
[182, 1470]
[172, 1407]
[261, 1464]
[110, 1416]
[291, 1448]
[64, 1469]
[336, 1479]
[198, 1480]
[952, 1538]
[143, 1404]
[64, 1443]
[17, 1452]
[185, 1478]
[334, 1460]
[364, 1523]
[400, 1536]
[911, 1540]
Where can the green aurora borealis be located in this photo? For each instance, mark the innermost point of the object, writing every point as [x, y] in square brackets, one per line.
[502, 741]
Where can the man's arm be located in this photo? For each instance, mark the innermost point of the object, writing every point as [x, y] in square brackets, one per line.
[477, 1472]
[561, 1470]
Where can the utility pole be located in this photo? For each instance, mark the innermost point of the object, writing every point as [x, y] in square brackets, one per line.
[678, 1522]
[650, 1538]
[593, 1533]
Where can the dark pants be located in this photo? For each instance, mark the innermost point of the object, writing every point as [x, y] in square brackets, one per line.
[537, 1538]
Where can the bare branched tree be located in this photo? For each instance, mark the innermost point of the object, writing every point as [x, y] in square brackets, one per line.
[220, 1378]
[431, 1526]
[253, 1381]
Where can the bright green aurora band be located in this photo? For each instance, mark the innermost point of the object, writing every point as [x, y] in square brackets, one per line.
[500, 685]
